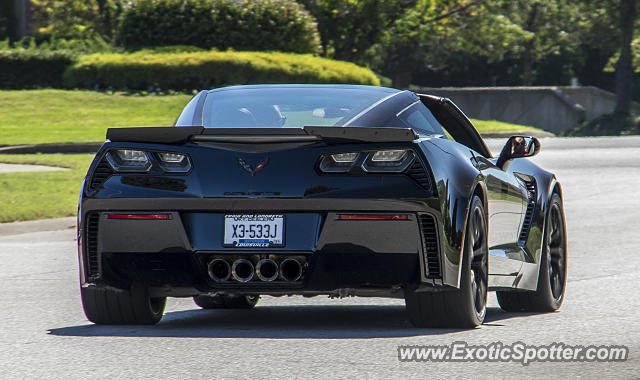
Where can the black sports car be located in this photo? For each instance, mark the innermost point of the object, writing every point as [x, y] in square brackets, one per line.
[318, 190]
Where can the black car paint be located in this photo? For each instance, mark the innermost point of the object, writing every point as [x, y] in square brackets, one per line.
[292, 184]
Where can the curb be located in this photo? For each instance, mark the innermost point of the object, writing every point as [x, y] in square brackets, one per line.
[42, 225]
[52, 148]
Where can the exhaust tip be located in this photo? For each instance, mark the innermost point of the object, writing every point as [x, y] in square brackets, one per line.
[242, 270]
[290, 270]
[267, 270]
[219, 270]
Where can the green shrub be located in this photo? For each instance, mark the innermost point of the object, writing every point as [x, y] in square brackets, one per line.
[209, 69]
[611, 124]
[281, 25]
[30, 68]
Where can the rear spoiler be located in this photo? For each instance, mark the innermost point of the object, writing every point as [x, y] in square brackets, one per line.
[331, 135]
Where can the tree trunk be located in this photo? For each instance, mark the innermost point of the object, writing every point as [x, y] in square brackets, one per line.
[105, 18]
[527, 56]
[23, 11]
[624, 66]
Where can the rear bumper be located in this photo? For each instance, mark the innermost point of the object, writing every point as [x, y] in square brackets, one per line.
[337, 254]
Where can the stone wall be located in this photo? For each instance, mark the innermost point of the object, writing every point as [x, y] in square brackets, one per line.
[554, 109]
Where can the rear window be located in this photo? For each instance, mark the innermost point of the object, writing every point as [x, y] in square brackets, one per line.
[286, 107]
[421, 119]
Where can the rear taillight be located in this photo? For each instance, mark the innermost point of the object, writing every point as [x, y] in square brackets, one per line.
[379, 161]
[394, 161]
[129, 160]
[139, 161]
[139, 216]
[174, 162]
[339, 162]
[373, 217]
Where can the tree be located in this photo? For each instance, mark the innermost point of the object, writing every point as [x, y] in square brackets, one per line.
[76, 18]
[348, 29]
[8, 22]
[624, 66]
[433, 34]
[551, 29]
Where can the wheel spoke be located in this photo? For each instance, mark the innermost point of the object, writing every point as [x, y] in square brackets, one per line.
[556, 252]
[478, 256]
[556, 285]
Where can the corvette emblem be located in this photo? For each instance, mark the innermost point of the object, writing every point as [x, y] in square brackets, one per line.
[251, 170]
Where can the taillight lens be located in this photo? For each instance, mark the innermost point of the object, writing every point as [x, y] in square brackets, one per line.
[129, 160]
[174, 162]
[138, 161]
[345, 157]
[389, 156]
[339, 162]
[384, 161]
[379, 161]
[171, 158]
[131, 155]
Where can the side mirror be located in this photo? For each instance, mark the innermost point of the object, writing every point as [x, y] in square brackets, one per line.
[517, 147]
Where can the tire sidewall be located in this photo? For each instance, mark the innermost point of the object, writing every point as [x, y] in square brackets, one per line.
[544, 283]
[466, 288]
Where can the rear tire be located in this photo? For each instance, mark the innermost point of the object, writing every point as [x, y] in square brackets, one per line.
[464, 307]
[552, 275]
[110, 306]
[225, 302]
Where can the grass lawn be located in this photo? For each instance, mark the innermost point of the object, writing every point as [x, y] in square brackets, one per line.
[499, 126]
[40, 195]
[62, 116]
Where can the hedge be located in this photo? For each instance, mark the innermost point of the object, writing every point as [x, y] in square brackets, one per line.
[30, 68]
[266, 25]
[200, 70]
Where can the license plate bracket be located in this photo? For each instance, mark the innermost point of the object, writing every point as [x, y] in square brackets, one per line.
[254, 231]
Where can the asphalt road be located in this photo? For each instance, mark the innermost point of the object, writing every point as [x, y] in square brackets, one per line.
[44, 333]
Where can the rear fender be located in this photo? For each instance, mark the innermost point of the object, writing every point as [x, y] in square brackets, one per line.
[456, 179]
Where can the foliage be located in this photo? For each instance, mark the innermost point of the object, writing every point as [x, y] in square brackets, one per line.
[75, 19]
[432, 32]
[209, 69]
[281, 25]
[28, 68]
[348, 29]
[8, 20]
[635, 48]
[613, 124]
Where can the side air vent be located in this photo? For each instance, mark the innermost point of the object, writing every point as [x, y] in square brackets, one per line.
[418, 173]
[92, 257]
[528, 215]
[430, 246]
[100, 174]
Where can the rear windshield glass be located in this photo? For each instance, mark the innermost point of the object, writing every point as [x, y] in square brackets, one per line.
[293, 107]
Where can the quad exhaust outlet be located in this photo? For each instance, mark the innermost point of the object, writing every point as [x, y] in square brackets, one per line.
[219, 270]
[290, 270]
[242, 270]
[266, 270]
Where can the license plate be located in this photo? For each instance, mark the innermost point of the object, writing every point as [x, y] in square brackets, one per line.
[254, 231]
